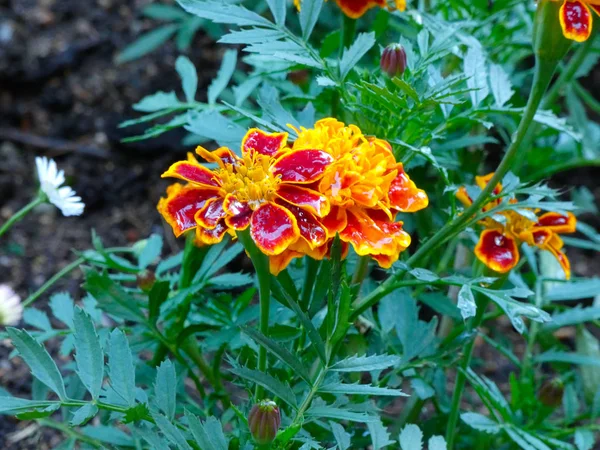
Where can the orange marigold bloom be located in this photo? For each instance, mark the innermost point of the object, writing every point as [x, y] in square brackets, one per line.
[269, 189]
[498, 246]
[356, 8]
[366, 188]
[576, 18]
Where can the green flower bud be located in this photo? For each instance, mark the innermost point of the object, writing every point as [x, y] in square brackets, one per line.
[393, 60]
[549, 43]
[264, 421]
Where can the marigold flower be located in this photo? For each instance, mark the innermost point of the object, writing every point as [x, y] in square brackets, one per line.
[51, 183]
[498, 246]
[269, 189]
[576, 18]
[356, 8]
[366, 188]
[11, 309]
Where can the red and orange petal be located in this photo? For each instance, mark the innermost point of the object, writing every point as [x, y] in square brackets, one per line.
[559, 223]
[371, 233]
[182, 204]
[336, 220]
[277, 263]
[221, 156]
[264, 143]
[238, 213]
[273, 228]
[482, 182]
[562, 260]
[210, 214]
[302, 166]
[312, 231]
[463, 196]
[193, 172]
[356, 8]
[405, 196]
[497, 251]
[576, 20]
[305, 198]
[205, 236]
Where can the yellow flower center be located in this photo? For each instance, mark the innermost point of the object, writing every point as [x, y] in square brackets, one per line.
[250, 180]
[514, 223]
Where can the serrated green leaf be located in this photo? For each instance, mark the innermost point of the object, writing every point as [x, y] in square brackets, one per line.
[38, 413]
[151, 250]
[223, 76]
[567, 357]
[121, 368]
[437, 443]
[380, 437]
[37, 319]
[309, 14]
[251, 36]
[165, 389]
[411, 438]
[39, 361]
[352, 55]
[279, 9]
[584, 439]
[110, 435]
[501, 86]
[231, 280]
[220, 12]
[21, 405]
[476, 72]
[83, 415]
[332, 412]
[63, 307]
[189, 78]
[280, 352]
[89, 354]
[466, 302]
[342, 438]
[171, 432]
[208, 435]
[360, 389]
[164, 12]
[146, 43]
[574, 290]
[366, 363]
[271, 384]
[158, 101]
[480, 422]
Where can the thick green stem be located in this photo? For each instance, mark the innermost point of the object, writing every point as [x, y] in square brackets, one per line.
[261, 265]
[38, 200]
[361, 271]
[544, 71]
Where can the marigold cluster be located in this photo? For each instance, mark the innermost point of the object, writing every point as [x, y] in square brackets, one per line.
[296, 198]
[356, 8]
[498, 246]
[576, 18]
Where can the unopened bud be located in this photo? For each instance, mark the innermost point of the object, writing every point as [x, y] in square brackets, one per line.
[264, 421]
[551, 392]
[393, 60]
[145, 280]
[549, 43]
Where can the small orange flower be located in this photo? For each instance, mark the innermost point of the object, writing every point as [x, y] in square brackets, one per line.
[498, 246]
[576, 18]
[268, 189]
[366, 188]
[356, 8]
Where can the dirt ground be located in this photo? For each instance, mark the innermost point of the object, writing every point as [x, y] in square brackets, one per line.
[62, 95]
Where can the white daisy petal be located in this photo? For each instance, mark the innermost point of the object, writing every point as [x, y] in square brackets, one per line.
[11, 309]
[51, 181]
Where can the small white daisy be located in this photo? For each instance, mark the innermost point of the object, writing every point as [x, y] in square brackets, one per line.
[11, 309]
[51, 180]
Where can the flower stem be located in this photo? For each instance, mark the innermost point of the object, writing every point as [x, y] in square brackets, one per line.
[544, 70]
[38, 200]
[261, 265]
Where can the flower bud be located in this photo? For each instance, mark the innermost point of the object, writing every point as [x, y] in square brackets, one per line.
[264, 421]
[551, 392]
[393, 60]
[145, 280]
[549, 43]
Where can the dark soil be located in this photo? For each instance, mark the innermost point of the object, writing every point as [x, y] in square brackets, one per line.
[62, 95]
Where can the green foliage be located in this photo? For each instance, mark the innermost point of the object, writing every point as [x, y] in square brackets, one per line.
[177, 365]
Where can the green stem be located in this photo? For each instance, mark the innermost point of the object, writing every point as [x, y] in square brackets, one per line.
[68, 431]
[361, 271]
[261, 265]
[308, 399]
[461, 378]
[544, 70]
[587, 98]
[65, 271]
[348, 32]
[38, 200]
